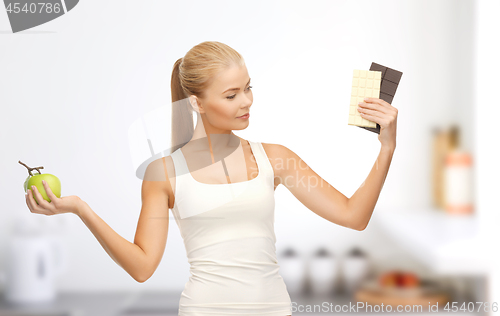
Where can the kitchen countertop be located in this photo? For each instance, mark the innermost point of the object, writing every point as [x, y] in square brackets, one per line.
[447, 244]
[159, 303]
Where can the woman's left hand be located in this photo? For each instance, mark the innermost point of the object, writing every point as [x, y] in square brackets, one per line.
[381, 112]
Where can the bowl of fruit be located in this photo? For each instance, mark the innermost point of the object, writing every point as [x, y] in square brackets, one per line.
[398, 287]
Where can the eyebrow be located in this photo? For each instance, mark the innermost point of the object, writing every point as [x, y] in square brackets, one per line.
[236, 88]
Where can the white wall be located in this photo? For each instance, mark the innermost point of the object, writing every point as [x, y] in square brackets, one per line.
[486, 115]
[69, 96]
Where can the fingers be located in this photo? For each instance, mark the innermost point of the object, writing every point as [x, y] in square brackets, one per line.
[28, 202]
[378, 111]
[38, 196]
[376, 104]
[31, 202]
[384, 104]
[42, 207]
[49, 192]
[367, 111]
[381, 121]
[378, 101]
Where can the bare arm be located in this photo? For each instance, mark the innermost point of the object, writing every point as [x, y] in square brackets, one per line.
[140, 258]
[362, 202]
[308, 187]
[127, 255]
[323, 199]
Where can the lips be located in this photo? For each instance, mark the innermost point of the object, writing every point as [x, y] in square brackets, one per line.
[245, 115]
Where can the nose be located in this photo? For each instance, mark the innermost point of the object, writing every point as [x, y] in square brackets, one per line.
[247, 102]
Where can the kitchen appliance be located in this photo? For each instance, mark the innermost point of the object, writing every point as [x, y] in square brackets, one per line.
[355, 269]
[323, 272]
[34, 259]
[292, 270]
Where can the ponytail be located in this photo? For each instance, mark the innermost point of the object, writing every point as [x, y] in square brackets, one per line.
[182, 112]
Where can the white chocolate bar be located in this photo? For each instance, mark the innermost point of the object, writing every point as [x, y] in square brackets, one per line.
[365, 83]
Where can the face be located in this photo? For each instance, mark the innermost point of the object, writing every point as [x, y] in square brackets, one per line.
[228, 97]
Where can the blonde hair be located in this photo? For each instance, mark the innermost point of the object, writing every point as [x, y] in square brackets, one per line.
[192, 75]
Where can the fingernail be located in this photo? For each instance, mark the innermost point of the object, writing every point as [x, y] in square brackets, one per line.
[43, 181]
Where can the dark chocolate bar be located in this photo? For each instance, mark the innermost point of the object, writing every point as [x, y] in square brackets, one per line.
[388, 85]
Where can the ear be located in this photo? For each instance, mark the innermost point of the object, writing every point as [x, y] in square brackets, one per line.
[194, 101]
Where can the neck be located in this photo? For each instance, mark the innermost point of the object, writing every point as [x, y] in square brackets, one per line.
[204, 128]
[222, 145]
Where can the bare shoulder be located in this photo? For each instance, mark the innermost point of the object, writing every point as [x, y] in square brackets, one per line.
[278, 155]
[277, 151]
[160, 169]
[161, 173]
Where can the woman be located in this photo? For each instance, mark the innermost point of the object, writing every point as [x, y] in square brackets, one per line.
[220, 189]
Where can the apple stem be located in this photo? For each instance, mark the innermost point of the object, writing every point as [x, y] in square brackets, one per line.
[30, 169]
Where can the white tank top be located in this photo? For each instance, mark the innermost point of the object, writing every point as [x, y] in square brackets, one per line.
[228, 232]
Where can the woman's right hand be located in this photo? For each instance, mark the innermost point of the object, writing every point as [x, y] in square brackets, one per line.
[66, 204]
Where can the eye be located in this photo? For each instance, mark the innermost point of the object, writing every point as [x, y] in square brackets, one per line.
[232, 96]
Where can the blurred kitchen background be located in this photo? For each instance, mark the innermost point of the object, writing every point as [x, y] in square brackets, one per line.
[73, 87]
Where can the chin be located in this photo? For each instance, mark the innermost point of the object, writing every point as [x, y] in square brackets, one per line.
[241, 126]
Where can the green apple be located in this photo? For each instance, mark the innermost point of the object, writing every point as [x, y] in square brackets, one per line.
[35, 178]
[25, 186]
